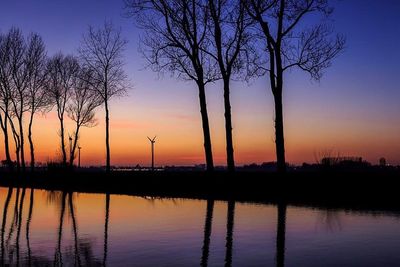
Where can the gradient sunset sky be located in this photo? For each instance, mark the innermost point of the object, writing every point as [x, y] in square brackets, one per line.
[354, 110]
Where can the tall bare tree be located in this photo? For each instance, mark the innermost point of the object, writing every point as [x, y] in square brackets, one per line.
[62, 74]
[81, 108]
[230, 49]
[102, 53]
[5, 93]
[19, 76]
[289, 43]
[175, 41]
[37, 97]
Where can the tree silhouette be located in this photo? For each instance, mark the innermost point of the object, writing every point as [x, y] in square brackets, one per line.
[16, 61]
[175, 41]
[5, 93]
[229, 41]
[37, 97]
[19, 76]
[83, 102]
[101, 52]
[62, 75]
[290, 44]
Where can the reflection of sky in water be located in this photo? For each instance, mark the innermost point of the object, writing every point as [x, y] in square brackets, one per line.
[170, 232]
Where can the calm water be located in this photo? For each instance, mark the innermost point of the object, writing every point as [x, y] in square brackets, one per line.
[54, 228]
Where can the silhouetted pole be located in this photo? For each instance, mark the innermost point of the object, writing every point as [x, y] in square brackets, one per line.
[280, 236]
[79, 156]
[152, 141]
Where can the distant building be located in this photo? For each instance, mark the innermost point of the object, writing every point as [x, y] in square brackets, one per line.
[382, 162]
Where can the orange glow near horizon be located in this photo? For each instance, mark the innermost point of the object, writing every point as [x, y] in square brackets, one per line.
[179, 140]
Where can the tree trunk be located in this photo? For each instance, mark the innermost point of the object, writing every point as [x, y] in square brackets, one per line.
[72, 156]
[21, 136]
[4, 126]
[228, 128]
[279, 138]
[108, 168]
[31, 143]
[17, 146]
[64, 153]
[206, 128]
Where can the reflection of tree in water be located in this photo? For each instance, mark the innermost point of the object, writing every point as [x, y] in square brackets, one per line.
[281, 234]
[11, 249]
[4, 222]
[207, 232]
[330, 220]
[81, 251]
[229, 232]
[28, 224]
[77, 253]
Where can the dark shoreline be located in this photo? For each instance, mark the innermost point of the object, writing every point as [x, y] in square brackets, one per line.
[368, 191]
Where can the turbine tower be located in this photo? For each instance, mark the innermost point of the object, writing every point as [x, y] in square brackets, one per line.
[152, 141]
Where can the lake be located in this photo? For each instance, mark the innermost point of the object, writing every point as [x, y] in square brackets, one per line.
[52, 228]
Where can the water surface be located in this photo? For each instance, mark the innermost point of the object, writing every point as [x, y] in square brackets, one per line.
[43, 228]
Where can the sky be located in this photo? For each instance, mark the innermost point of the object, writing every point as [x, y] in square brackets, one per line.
[353, 111]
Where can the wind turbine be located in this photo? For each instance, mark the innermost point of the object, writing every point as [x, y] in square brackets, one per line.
[152, 141]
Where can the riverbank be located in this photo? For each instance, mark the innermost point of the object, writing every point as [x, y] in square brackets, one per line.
[376, 190]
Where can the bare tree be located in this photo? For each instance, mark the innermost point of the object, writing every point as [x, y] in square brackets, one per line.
[175, 41]
[19, 60]
[5, 93]
[101, 52]
[84, 100]
[37, 97]
[291, 44]
[19, 81]
[230, 49]
[62, 74]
